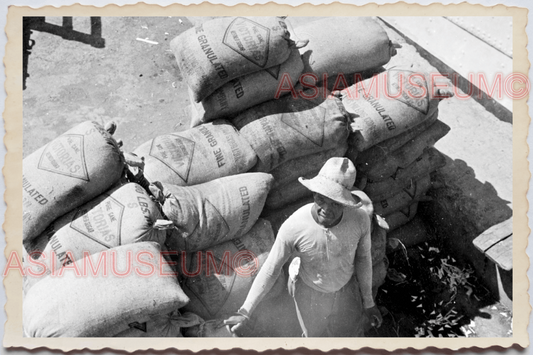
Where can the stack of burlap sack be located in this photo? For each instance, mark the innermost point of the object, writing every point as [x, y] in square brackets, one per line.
[184, 208]
[391, 143]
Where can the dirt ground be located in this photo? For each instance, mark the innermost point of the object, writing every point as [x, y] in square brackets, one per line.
[134, 80]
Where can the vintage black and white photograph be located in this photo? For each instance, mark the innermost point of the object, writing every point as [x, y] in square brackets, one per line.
[275, 176]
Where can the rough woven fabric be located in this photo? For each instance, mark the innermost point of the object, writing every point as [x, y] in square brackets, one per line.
[216, 211]
[72, 169]
[387, 105]
[288, 128]
[197, 155]
[123, 215]
[99, 306]
[220, 50]
[247, 91]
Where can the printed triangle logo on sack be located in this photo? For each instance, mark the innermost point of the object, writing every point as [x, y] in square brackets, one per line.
[218, 228]
[274, 71]
[140, 326]
[412, 95]
[311, 125]
[65, 155]
[101, 223]
[176, 152]
[249, 39]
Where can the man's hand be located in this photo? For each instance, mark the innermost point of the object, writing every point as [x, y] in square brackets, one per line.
[238, 323]
[374, 315]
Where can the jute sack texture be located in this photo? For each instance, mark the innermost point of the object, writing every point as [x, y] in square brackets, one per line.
[380, 191]
[166, 325]
[406, 154]
[342, 45]
[429, 161]
[247, 91]
[288, 128]
[388, 104]
[292, 190]
[303, 166]
[197, 155]
[402, 216]
[69, 171]
[276, 217]
[99, 306]
[217, 51]
[123, 215]
[216, 211]
[382, 150]
[217, 280]
[402, 199]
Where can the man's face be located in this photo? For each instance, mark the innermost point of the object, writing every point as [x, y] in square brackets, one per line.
[327, 210]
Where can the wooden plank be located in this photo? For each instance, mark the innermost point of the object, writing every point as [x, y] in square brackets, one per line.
[493, 235]
[460, 50]
[502, 253]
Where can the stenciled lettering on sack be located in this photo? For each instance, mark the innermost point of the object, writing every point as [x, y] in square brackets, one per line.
[271, 136]
[33, 192]
[220, 97]
[246, 209]
[59, 251]
[249, 39]
[101, 223]
[212, 57]
[175, 151]
[219, 155]
[234, 146]
[380, 110]
[65, 155]
[411, 95]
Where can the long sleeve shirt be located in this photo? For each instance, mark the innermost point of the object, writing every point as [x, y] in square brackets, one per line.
[327, 254]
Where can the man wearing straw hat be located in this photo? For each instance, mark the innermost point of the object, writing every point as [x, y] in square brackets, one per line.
[332, 239]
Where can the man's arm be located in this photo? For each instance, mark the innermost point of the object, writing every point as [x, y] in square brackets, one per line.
[363, 272]
[265, 279]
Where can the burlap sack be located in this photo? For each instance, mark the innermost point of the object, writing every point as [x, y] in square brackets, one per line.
[405, 155]
[380, 191]
[215, 211]
[304, 166]
[400, 100]
[382, 150]
[123, 215]
[247, 91]
[72, 169]
[197, 155]
[342, 45]
[220, 50]
[402, 216]
[276, 217]
[428, 162]
[134, 290]
[400, 200]
[217, 280]
[166, 325]
[288, 128]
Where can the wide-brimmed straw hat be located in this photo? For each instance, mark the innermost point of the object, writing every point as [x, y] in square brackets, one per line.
[334, 181]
